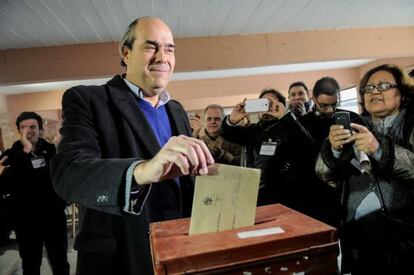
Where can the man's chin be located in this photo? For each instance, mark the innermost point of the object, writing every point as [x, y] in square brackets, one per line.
[154, 90]
[160, 85]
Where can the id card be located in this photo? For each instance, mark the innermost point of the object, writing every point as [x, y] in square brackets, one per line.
[38, 162]
[268, 148]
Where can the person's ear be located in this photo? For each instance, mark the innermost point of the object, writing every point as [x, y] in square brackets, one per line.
[125, 54]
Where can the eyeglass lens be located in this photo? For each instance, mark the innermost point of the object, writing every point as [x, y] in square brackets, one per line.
[381, 87]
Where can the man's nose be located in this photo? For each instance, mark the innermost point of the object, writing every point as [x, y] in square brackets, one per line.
[160, 55]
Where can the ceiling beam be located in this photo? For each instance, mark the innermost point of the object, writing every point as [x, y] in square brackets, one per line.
[210, 53]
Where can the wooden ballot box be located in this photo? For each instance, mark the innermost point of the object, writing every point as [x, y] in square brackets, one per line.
[282, 241]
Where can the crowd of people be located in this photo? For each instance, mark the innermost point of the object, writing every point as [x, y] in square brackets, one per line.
[128, 154]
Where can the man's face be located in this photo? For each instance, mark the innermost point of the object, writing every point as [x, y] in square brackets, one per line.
[298, 93]
[326, 104]
[150, 62]
[272, 107]
[30, 129]
[213, 121]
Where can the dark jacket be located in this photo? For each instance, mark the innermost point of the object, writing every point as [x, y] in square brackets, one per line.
[29, 187]
[325, 204]
[283, 175]
[370, 243]
[104, 131]
[319, 125]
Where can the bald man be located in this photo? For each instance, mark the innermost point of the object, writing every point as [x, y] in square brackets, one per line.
[127, 156]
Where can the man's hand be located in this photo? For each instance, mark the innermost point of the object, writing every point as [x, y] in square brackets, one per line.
[181, 155]
[217, 152]
[2, 166]
[195, 124]
[238, 113]
[298, 108]
[365, 141]
[27, 145]
[277, 109]
[338, 136]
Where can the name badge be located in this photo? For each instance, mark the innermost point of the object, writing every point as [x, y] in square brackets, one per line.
[268, 149]
[38, 162]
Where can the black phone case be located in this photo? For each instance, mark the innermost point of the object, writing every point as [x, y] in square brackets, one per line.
[343, 118]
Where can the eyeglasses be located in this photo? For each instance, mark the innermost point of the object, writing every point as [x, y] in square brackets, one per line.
[326, 107]
[381, 87]
[216, 119]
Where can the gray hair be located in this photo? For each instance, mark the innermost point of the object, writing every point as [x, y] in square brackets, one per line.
[215, 106]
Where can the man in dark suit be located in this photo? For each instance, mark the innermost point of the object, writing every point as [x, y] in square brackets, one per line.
[126, 155]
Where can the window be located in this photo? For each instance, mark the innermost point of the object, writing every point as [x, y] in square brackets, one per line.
[349, 99]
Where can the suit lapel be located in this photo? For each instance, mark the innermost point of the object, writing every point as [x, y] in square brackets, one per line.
[127, 105]
[176, 120]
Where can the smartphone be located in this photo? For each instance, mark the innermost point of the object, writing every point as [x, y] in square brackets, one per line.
[343, 118]
[192, 115]
[257, 105]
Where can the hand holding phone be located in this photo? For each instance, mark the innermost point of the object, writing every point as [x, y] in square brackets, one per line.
[195, 122]
[338, 137]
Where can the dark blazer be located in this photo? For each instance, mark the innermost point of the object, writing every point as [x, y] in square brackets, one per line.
[325, 198]
[284, 174]
[104, 132]
[28, 186]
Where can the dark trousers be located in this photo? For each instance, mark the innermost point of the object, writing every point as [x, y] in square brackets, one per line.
[50, 231]
[5, 219]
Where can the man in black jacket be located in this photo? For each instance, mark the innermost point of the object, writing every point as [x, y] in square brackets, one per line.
[280, 147]
[38, 213]
[127, 156]
[326, 203]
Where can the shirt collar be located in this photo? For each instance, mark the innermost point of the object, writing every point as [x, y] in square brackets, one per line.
[163, 99]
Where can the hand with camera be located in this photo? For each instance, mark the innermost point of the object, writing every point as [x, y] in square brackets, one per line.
[338, 136]
[195, 124]
[276, 108]
[238, 113]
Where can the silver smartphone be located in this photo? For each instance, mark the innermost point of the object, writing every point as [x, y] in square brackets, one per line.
[257, 105]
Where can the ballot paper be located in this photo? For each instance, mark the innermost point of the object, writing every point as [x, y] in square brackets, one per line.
[225, 199]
